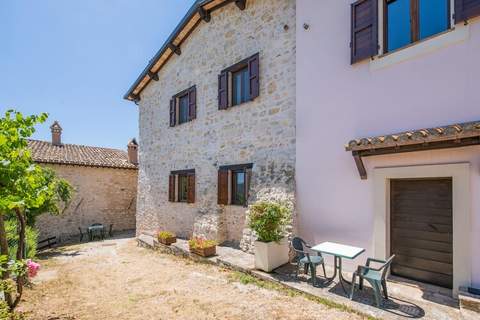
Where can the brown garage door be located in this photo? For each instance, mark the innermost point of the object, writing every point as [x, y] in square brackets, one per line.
[421, 229]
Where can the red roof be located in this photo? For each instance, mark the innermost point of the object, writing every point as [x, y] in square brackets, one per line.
[72, 154]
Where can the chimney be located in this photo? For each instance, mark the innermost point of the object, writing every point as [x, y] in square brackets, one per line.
[133, 151]
[56, 133]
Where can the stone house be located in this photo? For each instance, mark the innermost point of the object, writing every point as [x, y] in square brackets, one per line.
[217, 119]
[104, 182]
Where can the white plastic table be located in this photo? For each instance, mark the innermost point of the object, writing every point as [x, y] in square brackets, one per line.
[339, 251]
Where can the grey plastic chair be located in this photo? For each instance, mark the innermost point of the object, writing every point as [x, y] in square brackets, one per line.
[307, 260]
[377, 277]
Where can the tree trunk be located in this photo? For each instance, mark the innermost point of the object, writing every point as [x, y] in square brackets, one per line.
[4, 251]
[20, 254]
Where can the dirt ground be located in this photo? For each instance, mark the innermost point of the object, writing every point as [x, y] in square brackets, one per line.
[115, 279]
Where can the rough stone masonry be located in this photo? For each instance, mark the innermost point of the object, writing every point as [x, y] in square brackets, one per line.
[261, 132]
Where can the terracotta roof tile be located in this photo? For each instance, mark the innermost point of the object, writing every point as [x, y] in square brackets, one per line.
[45, 152]
[420, 136]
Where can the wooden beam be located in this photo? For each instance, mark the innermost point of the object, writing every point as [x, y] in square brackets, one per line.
[241, 4]
[153, 76]
[175, 49]
[360, 166]
[135, 98]
[204, 14]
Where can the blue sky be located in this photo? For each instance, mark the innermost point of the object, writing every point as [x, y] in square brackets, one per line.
[75, 60]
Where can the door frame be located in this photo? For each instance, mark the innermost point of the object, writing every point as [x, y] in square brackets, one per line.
[461, 200]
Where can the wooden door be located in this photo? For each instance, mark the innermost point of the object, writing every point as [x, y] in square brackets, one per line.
[422, 230]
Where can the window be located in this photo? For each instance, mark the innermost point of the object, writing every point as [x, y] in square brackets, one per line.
[238, 187]
[183, 107]
[234, 184]
[239, 83]
[240, 86]
[409, 21]
[182, 186]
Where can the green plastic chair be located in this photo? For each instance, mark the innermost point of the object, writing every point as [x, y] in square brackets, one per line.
[377, 277]
[307, 260]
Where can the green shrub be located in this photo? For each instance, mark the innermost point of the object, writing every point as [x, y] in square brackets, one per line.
[269, 220]
[31, 236]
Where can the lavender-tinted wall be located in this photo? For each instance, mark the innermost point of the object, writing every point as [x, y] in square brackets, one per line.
[337, 102]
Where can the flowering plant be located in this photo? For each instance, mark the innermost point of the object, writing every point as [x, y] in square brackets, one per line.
[32, 268]
[200, 243]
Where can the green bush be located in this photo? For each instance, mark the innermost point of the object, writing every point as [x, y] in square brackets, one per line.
[269, 220]
[31, 236]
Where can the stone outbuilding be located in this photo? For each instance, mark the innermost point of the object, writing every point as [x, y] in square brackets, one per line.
[104, 182]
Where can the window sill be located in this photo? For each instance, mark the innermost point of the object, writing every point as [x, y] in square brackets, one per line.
[455, 35]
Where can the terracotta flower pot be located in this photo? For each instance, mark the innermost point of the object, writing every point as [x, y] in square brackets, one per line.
[204, 252]
[167, 241]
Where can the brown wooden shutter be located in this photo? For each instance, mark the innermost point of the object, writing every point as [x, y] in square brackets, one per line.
[254, 74]
[191, 188]
[364, 29]
[466, 9]
[171, 188]
[248, 179]
[222, 186]
[192, 103]
[173, 119]
[223, 90]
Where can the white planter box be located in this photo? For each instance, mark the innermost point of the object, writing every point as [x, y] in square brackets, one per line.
[270, 255]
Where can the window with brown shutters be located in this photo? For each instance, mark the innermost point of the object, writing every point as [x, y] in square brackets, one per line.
[234, 184]
[364, 30]
[239, 83]
[183, 107]
[182, 186]
[466, 9]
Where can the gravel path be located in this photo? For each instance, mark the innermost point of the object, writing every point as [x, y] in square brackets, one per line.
[115, 279]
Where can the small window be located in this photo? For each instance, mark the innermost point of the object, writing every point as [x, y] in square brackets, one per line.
[240, 86]
[234, 184]
[409, 21]
[239, 83]
[182, 186]
[183, 107]
[238, 187]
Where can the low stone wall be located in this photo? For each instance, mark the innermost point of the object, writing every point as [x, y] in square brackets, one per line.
[101, 195]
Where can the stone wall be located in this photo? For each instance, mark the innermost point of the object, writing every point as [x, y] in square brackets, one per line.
[102, 195]
[261, 132]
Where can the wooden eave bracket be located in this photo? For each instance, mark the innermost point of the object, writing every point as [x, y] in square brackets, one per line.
[135, 98]
[175, 49]
[204, 14]
[153, 76]
[241, 4]
[360, 166]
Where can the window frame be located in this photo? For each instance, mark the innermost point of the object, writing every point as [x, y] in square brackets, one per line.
[239, 66]
[246, 169]
[234, 189]
[179, 187]
[178, 174]
[414, 24]
[176, 98]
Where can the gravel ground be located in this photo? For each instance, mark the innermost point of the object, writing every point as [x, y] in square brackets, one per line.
[115, 279]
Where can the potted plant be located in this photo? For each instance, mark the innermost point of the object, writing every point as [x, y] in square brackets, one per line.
[202, 247]
[166, 238]
[269, 220]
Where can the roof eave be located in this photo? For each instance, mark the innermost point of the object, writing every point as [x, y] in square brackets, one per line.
[188, 16]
